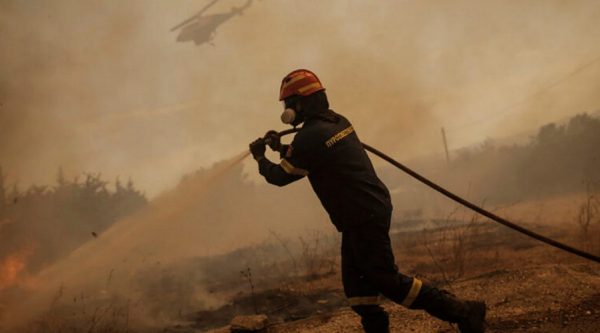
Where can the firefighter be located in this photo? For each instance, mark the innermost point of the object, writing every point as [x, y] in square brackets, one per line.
[329, 153]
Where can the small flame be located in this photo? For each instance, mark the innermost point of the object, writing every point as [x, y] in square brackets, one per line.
[12, 266]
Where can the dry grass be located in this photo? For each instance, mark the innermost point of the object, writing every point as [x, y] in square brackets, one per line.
[588, 218]
[83, 316]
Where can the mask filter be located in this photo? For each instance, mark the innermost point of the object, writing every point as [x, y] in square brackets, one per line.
[288, 116]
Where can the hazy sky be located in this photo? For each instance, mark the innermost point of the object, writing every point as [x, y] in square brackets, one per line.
[102, 86]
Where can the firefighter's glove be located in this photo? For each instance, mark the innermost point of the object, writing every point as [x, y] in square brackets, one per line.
[257, 148]
[273, 139]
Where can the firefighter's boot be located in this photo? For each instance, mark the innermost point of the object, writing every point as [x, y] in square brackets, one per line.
[469, 315]
[373, 318]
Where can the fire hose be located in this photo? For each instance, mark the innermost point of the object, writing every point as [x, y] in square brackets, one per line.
[469, 204]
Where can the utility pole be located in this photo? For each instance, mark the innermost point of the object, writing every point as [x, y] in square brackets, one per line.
[445, 145]
[2, 190]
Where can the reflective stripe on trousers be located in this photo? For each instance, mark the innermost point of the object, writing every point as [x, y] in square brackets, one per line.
[376, 300]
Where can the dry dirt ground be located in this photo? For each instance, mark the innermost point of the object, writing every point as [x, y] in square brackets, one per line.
[540, 298]
[528, 286]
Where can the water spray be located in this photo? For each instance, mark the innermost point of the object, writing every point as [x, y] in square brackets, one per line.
[466, 203]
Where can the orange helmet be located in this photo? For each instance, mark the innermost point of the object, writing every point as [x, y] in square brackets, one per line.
[300, 82]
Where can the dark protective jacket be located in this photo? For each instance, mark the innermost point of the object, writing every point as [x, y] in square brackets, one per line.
[328, 151]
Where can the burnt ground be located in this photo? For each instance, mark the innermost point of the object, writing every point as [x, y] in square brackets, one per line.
[280, 305]
[528, 286]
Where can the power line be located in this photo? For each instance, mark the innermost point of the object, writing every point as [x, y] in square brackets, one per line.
[548, 86]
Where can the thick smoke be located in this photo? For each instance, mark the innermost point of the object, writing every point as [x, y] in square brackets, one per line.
[199, 218]
[103, 86]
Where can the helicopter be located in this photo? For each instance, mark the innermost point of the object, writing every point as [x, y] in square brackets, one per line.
[202, 29]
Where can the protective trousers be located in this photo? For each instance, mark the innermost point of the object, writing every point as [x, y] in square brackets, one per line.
[369, 270]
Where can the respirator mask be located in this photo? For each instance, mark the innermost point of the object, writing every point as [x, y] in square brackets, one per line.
[290, 116]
